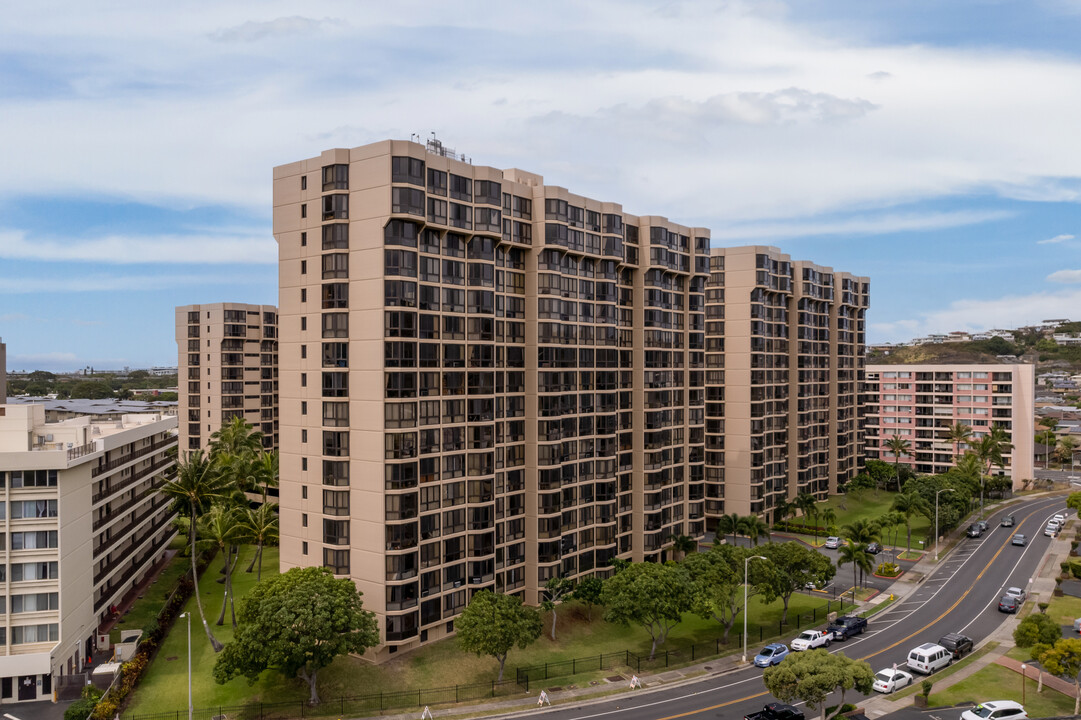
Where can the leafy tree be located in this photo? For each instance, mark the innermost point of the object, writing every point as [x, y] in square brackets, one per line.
[791, 566]
[716, 584]
[220, 530]
[588, 592]
[908, 504]
[1064, 659]
[92, 389]
[898, 446]
[196, 487]
[1065, 449]
[1074, 501]
[860, 484]
[1036, 629]
[259, 527]
[882, 472]
[684, 545]
[813, 675]
[650, 595]
[297, 623]
[492, 624]
[555, 590]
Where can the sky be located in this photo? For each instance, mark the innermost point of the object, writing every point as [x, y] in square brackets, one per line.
[932, 146]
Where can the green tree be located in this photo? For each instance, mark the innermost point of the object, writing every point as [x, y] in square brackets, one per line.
[989, 449]
[806, 503]
[221, 530]
[650, 595]
[882, 472]
[729, 524]
[909, 504]
[1036, 629]
[791, 566]
[259, 527]
[857, 555]
[1064, 659]
[236, 439]
[588, 592]
[92, 389]
[684, 545]
[716, 584]
[859, 485]
[813, 675]
[1065, 449]
[492, 624]
[898, 446]
[555, 591]
[297, 623]
[1074, 501]
[754, 527]
[829, 519]
[862, 531]
[958, 434]
[196, 487]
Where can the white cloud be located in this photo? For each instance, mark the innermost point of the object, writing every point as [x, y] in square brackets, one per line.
[1056, 239]
[860, 225]
[1065, 276]
[107, 283]
[278, 27]
[125, 250]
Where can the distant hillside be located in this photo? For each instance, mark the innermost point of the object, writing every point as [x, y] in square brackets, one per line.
[977, 351]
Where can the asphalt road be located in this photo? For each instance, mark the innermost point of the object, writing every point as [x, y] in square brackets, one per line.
[961, 596]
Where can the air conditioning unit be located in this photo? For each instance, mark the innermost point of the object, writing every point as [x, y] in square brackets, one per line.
[48, 438]
[457, 583]
[476, 581]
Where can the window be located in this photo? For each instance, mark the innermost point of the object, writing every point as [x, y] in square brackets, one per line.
[336, 355]
[33, 509]
[335, 472]
[335, 265]
[335, 385]
[401, 232]
[461, 188]
[400, 293]
[336, 236]
[21, 572]
[336, 502]
[33, 540]
[336, 532]
[335, 207]
[304, 210]
[461, 216]
[437, 211]
[407, 200]
[336, 560]
[400, 262]
[21, 634]
[336, 177]
[36, 602]
[335, 295]
[407, 170]
[335, 325]
[336, 443]
[488, 192]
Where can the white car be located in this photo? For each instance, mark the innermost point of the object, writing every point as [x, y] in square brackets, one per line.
[1017, 593]
[997, 710]
[832, 542]
[809, 639]
[1051, 530]
[889, 680]
[1059, 518]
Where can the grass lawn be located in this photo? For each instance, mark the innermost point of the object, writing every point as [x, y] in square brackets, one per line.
[1064, 610]
[941, 674]
[872, 505]
[995, 682]
[164, 687]
[149, 605]
[439, 664]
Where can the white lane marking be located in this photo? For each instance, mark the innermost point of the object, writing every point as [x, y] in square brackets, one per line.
[10, 717]
[662, 702]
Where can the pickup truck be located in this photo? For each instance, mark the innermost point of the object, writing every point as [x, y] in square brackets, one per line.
[776, 711]
[845, 627]
[810, 639]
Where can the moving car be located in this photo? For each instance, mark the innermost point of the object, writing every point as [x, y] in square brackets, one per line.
[1007, 521]
[974, 530]
[771, 655]
[1019, 539]
[874, 548]
[845, 627]
[1008, 604]
[996, 710]
[1016, 593]
[888, 680]
[776, 711]
[929, 657]
[833, 542]
[957, 644]
[982, 525]
[809, 639]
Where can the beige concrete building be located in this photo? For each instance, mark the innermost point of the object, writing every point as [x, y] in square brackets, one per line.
[83, 522]
[920, 402]
[228, 367]
[784, 359]
[486, 381]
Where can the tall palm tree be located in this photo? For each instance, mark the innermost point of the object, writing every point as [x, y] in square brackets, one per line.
[898, 446]
[196, 487]
[829, 518]
[684, 545]
[266, 471]
[728, 524]
[958, 434]
[259, 526]
[236, 438]
[909, 504]
[989, 449]
[754, 527]
[851, 553]
[220, 530]
[805, 501]
[862, 531]
[784, 510]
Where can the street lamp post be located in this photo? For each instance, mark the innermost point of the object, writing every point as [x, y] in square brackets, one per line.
[936, 518]
[191, 710]
[1022, 683]
[746, 565]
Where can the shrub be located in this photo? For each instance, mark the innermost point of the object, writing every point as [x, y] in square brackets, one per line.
[1075, 570]
[888, 569]
[79, 709]
[925, 687]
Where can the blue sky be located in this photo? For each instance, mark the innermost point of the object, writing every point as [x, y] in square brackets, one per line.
[930, 145]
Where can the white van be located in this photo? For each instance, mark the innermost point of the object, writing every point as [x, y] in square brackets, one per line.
[929, 657]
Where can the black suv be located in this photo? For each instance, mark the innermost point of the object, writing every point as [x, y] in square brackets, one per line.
[959, 645]
[974, 531]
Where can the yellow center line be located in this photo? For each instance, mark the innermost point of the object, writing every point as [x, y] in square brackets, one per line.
[865, 657]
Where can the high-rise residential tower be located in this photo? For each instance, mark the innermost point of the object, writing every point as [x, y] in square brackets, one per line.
[227, 368]
[486, 381]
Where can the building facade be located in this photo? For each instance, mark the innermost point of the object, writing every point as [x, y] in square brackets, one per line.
[83, 523]
[486, 381]
[920, 402]
[3, 372]
[228, 367]
[785, 356]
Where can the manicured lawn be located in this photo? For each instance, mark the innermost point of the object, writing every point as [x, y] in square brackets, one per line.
[870, 506]
[164, 687]
[1064, 610]
[149, 605]
[995, 682]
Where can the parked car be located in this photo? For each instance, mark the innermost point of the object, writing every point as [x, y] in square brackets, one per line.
[982, 525]
[974, 531]
[1016, 593]
[1007, 521]
[1019, 539]
[845, 627]
[889, 680]
[1008, 604]
[957, 644]
[833, 542]
[771, 655]
[874, 548]
[809, 639]
[1059, 518]
[929, 657]
[776, 711]
[996, 710]
[1051, 530]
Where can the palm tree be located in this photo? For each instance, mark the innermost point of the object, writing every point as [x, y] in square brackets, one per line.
[855, 553]
[805, 501]
[196, 487]
[728, 525]
[829, 518]
[784, 510]
[989, 449]
[862, 531]
[259, 526]
[266, 471]
[219, 529]
[909, 504]
[684, 545]
[898, 446]
[754, 527]
[958, 434]
[236, 438]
